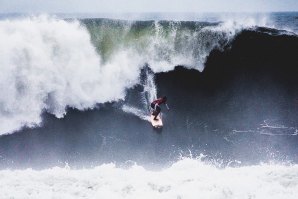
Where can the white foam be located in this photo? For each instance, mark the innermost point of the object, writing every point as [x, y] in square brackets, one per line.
[144, 115]
[187, 179]
[50, 64]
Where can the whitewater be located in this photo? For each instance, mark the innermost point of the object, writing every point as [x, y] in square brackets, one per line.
[74, 107]
[187, 178]
[49, 65]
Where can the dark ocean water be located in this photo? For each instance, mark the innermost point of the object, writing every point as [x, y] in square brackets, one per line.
[232, 96]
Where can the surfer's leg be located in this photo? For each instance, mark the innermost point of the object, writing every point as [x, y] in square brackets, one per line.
[153, 108]
[157, 111]
[152, 105]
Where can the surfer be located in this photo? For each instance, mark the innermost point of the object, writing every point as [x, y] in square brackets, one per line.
[156, 108]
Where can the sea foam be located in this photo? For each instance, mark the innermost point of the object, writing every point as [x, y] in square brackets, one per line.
[185, 179]
[50, 64]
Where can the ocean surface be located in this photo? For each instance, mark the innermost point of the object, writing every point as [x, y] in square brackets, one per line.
[75, 96]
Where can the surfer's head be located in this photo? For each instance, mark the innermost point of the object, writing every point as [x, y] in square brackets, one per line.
[164, 98]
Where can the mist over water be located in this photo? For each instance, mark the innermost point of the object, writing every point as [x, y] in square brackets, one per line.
[75, 107]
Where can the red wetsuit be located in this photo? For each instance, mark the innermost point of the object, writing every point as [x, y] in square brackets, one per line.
[155, 106]
[159, 101]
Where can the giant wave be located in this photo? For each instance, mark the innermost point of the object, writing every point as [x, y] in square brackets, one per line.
[49, 64]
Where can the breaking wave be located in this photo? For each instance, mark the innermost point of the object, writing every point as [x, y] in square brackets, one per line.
[49, 64]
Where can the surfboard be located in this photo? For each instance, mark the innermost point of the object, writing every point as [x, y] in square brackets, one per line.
[156, 123]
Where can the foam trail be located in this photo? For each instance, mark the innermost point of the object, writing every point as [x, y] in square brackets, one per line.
[148, 95]
[137, 112]
[150, 91]
[187, 179]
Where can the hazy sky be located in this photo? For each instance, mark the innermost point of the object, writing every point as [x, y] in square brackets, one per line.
[100, 6]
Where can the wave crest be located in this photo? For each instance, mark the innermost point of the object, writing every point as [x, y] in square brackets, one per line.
[50, 64]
